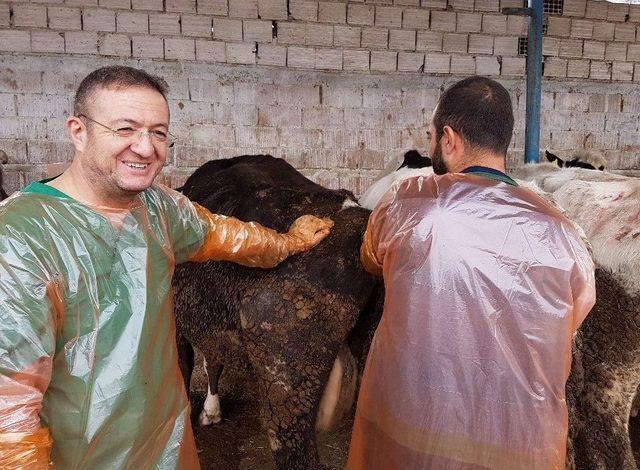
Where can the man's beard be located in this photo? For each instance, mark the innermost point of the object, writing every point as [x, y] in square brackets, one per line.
[438, 163]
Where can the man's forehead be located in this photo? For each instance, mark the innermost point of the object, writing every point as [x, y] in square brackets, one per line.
[130, 101]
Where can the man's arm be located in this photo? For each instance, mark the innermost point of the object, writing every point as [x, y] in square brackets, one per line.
[27, 345]
[199, 235]
[251, 244]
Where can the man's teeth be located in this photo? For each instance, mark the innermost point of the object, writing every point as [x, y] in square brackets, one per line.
[137, 165]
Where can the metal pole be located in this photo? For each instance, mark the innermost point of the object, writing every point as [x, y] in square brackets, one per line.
[534, 83]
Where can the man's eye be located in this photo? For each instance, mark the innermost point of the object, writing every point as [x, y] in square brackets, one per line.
[125, 131]
[159, 134]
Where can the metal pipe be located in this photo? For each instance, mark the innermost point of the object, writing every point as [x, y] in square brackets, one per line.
[534, 83]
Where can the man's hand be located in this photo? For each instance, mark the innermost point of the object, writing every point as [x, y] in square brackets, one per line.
[307, 231]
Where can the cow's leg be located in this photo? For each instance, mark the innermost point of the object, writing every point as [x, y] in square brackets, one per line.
[211, 412]
[292, 369]
[186, 360]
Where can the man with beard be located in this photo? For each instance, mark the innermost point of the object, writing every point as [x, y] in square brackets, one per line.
[485, 285]
[89, 375]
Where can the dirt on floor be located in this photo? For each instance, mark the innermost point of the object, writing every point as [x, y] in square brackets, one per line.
[239, 442]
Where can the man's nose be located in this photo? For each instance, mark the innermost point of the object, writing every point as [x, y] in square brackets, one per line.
[143, 144]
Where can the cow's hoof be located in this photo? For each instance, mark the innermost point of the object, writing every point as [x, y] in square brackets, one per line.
[211, 413]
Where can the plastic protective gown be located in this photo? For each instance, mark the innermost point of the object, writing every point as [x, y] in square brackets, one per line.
[485, 285]
[88, 363]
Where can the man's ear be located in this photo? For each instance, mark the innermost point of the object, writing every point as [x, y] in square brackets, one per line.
[450, 142]
[77, 132]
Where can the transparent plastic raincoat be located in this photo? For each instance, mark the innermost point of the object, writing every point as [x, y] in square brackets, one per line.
[88, 365]
[485, 285]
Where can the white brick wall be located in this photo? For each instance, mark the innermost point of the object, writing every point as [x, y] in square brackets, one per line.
[409, 46]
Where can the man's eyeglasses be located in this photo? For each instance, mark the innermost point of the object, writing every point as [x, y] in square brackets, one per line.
[157, 136]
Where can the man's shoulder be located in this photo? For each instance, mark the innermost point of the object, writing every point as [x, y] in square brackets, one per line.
[20, 209]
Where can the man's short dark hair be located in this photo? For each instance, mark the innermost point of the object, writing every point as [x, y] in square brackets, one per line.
[116, 76]
[479, 109]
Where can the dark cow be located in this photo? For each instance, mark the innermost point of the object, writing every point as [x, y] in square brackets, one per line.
[289, 321]
[3, 160]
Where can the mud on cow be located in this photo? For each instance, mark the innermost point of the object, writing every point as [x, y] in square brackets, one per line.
[290, 322]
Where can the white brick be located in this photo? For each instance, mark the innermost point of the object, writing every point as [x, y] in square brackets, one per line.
[616, 51]
[375, 38]
[355, 60]
[505, 46]
[361, 15]
[180, 49]
[318, 34]
[593, 50]
[196, 26]
[487, 65]
[147, 47]
[622, 71]
[603, 31]
[238, 115]
[47, 41]
[212, 91]
[328, 59]
[346, 36]
[596, 9]
[272, 9]
[487, 5]
[572, 101]
[469, 23]
[513, 66]
[581, 28]
[558, 26]
[24, 128]
[227, 30]
[212, 7]
[410, 61]
[114, 4]
[243, 9]
[65, 18]
[164, 24]
[257, 31]
[384, 61]
[437, 63]
[429, 41]
[332, 12]
[28, 15]
[210, 51]
[291, 33]
[5, 15]
[463, 64]
[433, 4]
[114, 45]
[402, 40]
[554, 67]
[633, 53]
[494, 24]
[517, 25]
[80, 42]
[574, 8]
[414, 18]
[180, 6]
[443, 21]
[272, 55]
[241, 54]
[550, 46]
[636, 73]
[480, 44]
[304, 10]
[454, 42]
[81, 3]
[132, 22]
[98, 20]
[464, 5]
[151, 5]
[617, 12]
[571, 48]
[578, 69]
[600, 70]
[301, 57]
[634, 13]
[388, 17]
[279, 116]
[625, 32]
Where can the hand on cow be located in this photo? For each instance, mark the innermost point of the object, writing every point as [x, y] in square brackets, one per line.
[307, 231]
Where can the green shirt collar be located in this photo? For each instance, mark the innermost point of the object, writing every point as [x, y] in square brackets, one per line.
[40, 187]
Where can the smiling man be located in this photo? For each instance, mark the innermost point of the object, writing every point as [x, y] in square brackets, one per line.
[88, 364]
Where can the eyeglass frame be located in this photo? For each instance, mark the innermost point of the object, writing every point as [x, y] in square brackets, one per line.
[170, 139]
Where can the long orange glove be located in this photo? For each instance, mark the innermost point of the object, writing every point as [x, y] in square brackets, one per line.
[251, 244]
[25, 450]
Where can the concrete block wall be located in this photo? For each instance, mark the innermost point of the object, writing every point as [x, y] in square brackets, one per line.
[335, 87]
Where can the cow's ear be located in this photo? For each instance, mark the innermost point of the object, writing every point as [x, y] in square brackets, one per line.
[428, 161]
[601, 168]
[554, 158]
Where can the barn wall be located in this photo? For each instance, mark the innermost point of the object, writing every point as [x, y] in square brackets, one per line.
[336, 88]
